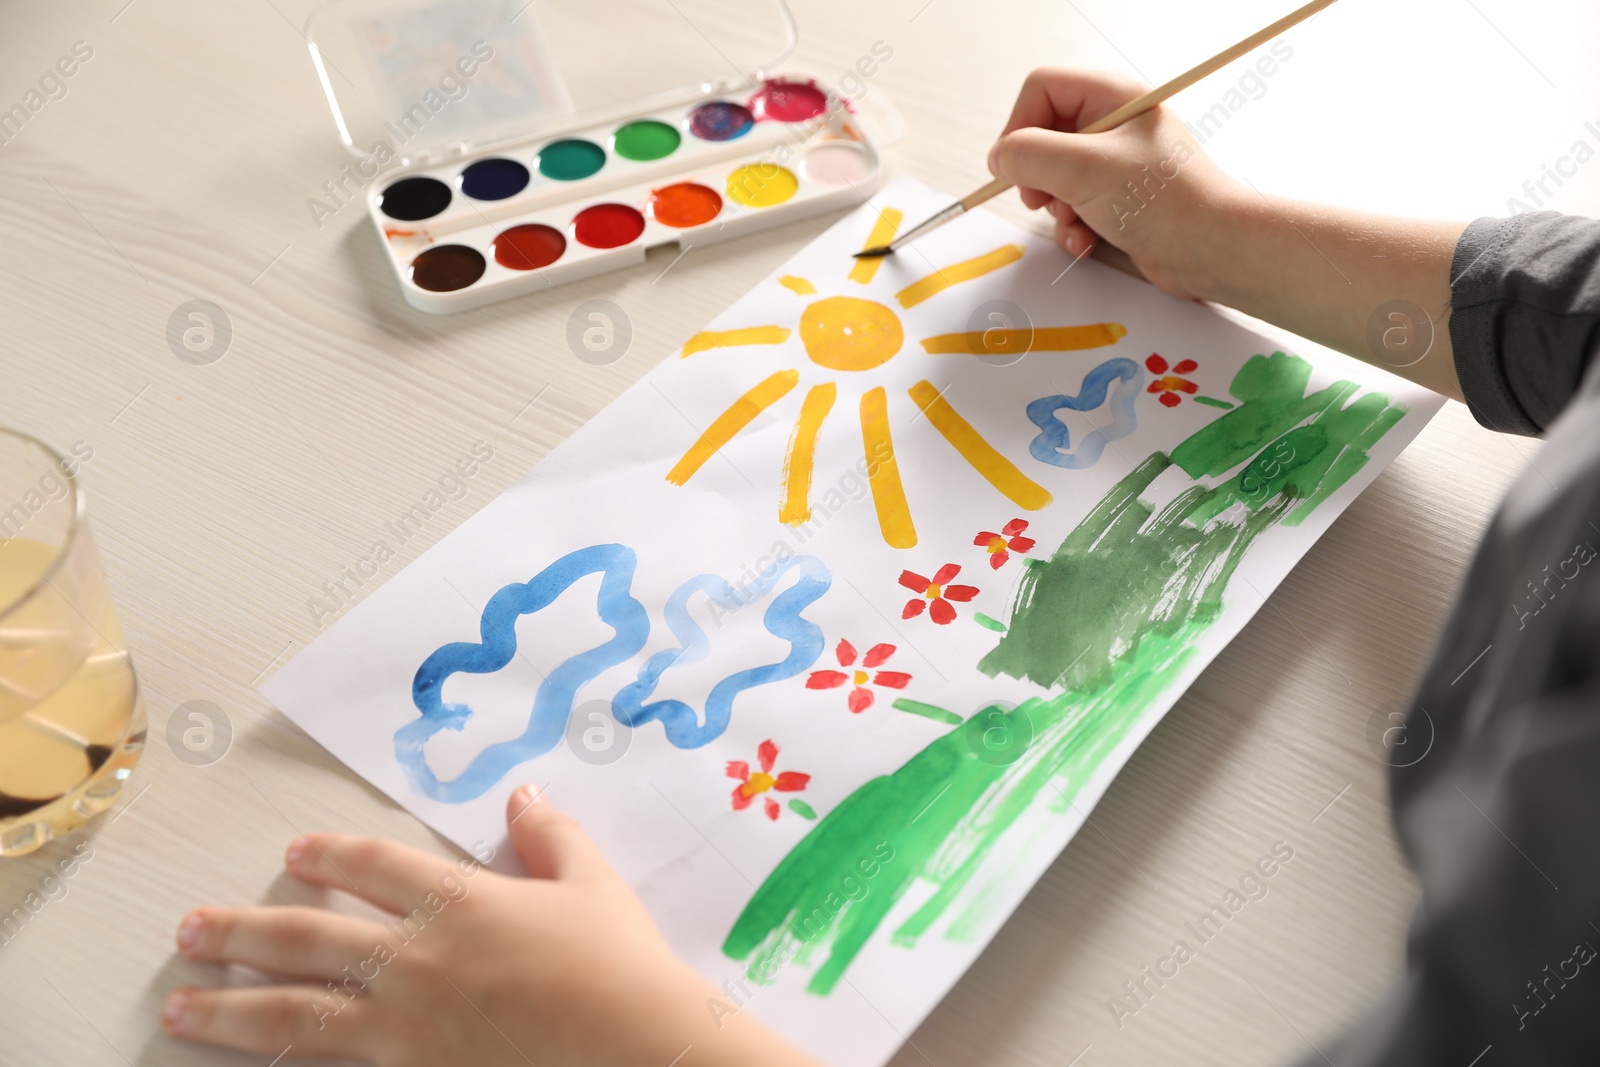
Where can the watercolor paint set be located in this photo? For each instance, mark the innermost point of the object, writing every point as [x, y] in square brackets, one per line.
[505, 147]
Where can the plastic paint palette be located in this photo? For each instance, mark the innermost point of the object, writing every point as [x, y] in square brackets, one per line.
[491, 215]
[594, 199]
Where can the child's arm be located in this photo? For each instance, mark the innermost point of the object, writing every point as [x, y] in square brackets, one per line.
[1146, 189]
[562, 968]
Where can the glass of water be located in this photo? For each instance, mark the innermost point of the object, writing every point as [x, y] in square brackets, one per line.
[71, 725]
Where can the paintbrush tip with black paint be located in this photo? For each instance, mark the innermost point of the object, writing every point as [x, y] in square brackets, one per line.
[960, 207]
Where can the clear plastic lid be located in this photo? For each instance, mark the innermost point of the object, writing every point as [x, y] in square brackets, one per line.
[434, 78]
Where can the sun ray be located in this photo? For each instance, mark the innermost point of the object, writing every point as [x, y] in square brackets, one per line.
[1000, 471]
[883, 232]
[956, 273]
[802, 454]
[797, 285]
[749, 335]
[731, 421]
[1039, 339]
[883, 472]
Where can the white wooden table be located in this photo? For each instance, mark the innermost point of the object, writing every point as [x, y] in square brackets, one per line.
[177, 167]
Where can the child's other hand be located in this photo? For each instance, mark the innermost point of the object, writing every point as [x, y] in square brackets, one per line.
[565, 967]
[1144, 188]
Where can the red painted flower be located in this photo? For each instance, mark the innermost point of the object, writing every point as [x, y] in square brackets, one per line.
[936, 594]
[860, 696]
[763, 780]
[1170, 385]
[1010, 537]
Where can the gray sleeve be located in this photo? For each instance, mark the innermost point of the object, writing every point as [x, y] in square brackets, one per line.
[1496, 808]
[1525, 316]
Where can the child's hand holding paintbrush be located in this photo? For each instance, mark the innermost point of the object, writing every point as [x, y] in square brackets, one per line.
[1145, 185]
[1145, 198]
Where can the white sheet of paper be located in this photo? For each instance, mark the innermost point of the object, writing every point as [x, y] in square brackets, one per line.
[663, 806]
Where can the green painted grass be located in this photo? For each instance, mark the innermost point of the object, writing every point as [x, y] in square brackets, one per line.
[1107, 624]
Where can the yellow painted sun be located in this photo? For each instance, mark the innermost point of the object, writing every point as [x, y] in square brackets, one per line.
[855, 334]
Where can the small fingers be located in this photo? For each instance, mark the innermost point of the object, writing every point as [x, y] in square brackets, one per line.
[392, 876]
[295, 942]
[1075, 238]
[1034, 199]
[550, 842]
[1063, 211]
[1058, 98]
[1034, 158]
[269, 1019]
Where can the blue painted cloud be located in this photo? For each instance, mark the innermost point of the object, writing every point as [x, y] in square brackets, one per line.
[630, 624]
[684, 727]
[1052, 443]
[552, 703]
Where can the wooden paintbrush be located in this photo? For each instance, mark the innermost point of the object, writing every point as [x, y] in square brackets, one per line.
[1132, 109]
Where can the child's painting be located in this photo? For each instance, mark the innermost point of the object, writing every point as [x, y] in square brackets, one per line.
[834, 628]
